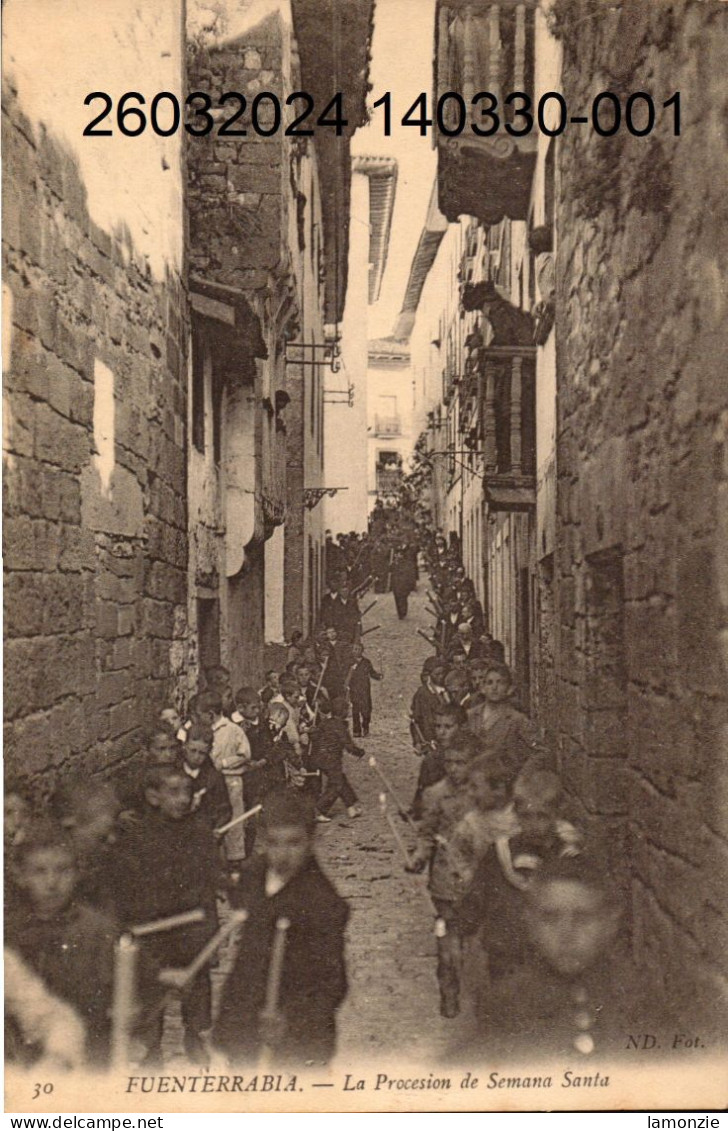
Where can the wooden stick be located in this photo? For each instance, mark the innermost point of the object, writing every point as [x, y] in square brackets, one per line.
[362, 585]
[372, 629]
[168, 924]
[273, 984]
[126, 954]
[418, 728]
[318, 685]
[275, 969]
[394, 830]
[440, 926]
[191, 971]
[374, 765]
[389, 574]
[237, 820]
[434, 600]
[429, 639]
[369, 606]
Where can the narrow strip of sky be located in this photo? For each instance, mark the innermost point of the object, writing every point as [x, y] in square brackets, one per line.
[402, 48]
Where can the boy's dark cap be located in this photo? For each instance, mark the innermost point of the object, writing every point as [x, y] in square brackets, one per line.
[200, 732]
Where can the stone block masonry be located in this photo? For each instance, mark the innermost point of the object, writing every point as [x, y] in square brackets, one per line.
[237, 186]
[95, 536]
[642, 319]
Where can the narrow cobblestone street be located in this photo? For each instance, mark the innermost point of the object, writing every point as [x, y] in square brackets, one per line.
[393, 1003]
[392, 1006]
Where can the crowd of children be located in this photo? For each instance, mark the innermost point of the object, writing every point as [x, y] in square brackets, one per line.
[216, 812]
[219, 811]
[525, 913]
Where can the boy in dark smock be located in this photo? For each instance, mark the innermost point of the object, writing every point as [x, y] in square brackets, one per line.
[285, 881]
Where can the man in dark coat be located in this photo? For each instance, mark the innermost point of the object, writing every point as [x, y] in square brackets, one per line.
[404, 579]
[345, 615]
[326, 618]
[285, 883]
[358, 681]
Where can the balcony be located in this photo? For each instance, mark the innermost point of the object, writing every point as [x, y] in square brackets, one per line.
[483, 46]
[388, 481]
[387, 426]
[508, 427]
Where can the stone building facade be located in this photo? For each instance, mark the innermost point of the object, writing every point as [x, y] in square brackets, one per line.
[95, 340]
[347, 416]
[268, 229]
[390, 413]
[604, 572]
[641, 535]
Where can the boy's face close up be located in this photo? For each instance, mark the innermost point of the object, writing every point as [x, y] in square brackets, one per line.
[571, 925]
[249, 709]
[446, 728]
[495, 687]
[165, 745]
[287, 848]
[172, 717]
[196, 752]
[49, 876]
[457, 766]
[172, 798]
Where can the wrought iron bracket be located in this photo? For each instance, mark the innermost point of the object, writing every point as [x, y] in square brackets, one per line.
[308, 354]
[312, 496]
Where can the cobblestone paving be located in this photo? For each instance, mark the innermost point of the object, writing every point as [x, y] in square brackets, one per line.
[393, 1001]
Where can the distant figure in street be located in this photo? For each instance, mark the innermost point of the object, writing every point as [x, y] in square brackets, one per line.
[443, 807]
[285, 881]
[327, 616]
[345, 615]
[230, 755]
[358, 681]
[465, 643]
[504, 733]
[404, 579]
[330, 740]
[209, 793]
[448, 725]
[427, 698]
[493, 649]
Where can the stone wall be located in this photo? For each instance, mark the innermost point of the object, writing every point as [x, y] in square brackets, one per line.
[642, 337]
[95, 516]
[236, 184]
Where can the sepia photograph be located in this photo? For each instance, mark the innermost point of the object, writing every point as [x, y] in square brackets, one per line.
[365, 511]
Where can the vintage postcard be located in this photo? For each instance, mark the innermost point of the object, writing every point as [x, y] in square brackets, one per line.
[366, 555]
